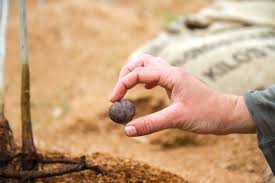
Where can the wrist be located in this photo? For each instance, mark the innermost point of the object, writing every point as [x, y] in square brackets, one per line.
[237, 118]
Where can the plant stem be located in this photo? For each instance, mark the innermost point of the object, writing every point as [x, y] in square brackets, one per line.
[28, 148]
[3, 30]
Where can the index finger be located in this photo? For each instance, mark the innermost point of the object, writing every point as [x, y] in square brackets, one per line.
[142, 61]
[140, 75]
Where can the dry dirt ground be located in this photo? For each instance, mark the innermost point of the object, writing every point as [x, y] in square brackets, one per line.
[76, 51]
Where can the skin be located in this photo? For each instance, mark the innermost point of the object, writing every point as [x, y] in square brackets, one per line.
[194, 106]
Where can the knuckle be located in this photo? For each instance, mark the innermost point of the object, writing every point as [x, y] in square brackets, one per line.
[128, 68]
[138, 69]
[178, 75]
[162, 62]
[167, 78]
[148, 59]
[125, 69]
[148, 126]
[125, 83]
[146, 56]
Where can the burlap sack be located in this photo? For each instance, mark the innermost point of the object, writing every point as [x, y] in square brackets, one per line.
[230, 45]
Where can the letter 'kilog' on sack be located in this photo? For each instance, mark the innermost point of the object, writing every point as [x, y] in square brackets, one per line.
[229, 45]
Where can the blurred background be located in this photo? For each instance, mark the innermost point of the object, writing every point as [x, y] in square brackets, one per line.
[76, 50]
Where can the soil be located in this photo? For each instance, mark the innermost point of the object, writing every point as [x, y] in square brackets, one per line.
[117, 170]
[76, 51]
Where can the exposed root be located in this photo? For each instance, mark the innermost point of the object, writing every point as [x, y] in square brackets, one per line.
[75, 166]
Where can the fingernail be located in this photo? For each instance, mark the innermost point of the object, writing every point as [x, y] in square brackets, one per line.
[130, 131]
[111, 98]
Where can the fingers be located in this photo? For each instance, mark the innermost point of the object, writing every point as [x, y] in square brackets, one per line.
[161, 120]
[142, 61]
[150, 76]
[141, 75]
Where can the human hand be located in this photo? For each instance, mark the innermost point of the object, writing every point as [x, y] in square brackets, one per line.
[194, 106]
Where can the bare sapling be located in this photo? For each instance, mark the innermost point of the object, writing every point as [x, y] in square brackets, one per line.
[28, 149]
[25, 164]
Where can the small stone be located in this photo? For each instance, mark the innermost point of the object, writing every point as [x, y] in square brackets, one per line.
[122, 111]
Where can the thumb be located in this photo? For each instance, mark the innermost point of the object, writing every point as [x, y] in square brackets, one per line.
[161, 120]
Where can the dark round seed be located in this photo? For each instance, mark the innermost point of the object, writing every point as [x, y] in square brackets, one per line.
[122, 111]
